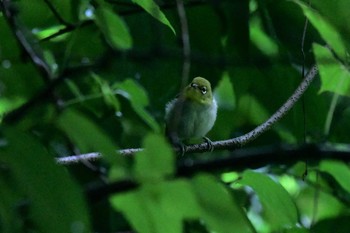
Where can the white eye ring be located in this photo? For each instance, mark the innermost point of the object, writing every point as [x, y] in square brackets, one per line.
[194, 85]
[203, 90]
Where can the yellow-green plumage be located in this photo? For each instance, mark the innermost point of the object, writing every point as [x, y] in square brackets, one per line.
[193, 113]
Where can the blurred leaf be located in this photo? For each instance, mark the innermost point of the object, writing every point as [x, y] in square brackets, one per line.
[10, 221]
[278, 206]
[159, 207]
[153, 9]
[55, 201]
[339, 170]
[156, 161]
[334, 76]
[46, 32]
[252, 110]
[261, 39]
[87, 136]
[138, 99]
[328, 206]
[326, 30]
[113, 28]
[224, 93]
[298, 230]
[74, 89]
[338, 224]
[219, 210]
[108, 94]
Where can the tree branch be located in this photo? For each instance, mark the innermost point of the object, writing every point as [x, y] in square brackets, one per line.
[238, 160]
[219, 145]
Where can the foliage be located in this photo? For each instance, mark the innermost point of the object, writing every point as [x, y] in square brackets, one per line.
[94, 76]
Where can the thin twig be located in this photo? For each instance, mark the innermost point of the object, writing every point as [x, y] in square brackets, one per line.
[44, 95]
[185, 42]
[303, 76]
[28, 45]
[56, 14]
[226, 144]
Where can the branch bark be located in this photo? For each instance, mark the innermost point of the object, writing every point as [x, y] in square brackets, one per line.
[238, 160]
[229, 144]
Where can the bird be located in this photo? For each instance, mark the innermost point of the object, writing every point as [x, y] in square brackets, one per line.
[192, 114]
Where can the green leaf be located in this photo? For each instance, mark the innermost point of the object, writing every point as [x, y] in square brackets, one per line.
[9, 217]
[107, 92]
[153, 9]
[252, 109]
[338, 223]
[156, 161]
[158, 208]
[334, 76]
[339, 170]
[261, 39]
[298, 230]
[219, 210]
[113, 28]
[139, 100]
[224, 93]
[56, 203]
[46, 32]
[87, 136]
[278, 206]
[326, 30]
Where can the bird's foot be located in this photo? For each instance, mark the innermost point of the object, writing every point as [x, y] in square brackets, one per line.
[181, 148]
[209, 144]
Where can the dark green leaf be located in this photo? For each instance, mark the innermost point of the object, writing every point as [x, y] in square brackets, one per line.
[219, 210]
[278, 206]
[87, 136]
[153, 9]
[108, 94]
[158, 208]
[339, 170]
[56, 202]
[138, 98]
[113, 28]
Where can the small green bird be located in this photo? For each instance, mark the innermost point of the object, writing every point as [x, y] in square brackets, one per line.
[192, 114]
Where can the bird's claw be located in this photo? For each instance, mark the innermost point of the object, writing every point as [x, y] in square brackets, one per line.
[209, 144]
[181, 148]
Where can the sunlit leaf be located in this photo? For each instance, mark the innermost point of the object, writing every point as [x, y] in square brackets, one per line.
[219, 210]
[156, 161]
[278, 206]
[46, 32]
[113, 28]
[224, 93]
[339, 170]
[153, 9]
[55, 201]
[326, 30]
[334, 76]
[260, 38]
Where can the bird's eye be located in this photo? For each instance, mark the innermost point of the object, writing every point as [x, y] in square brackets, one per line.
[194, 85]
[203, 90]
